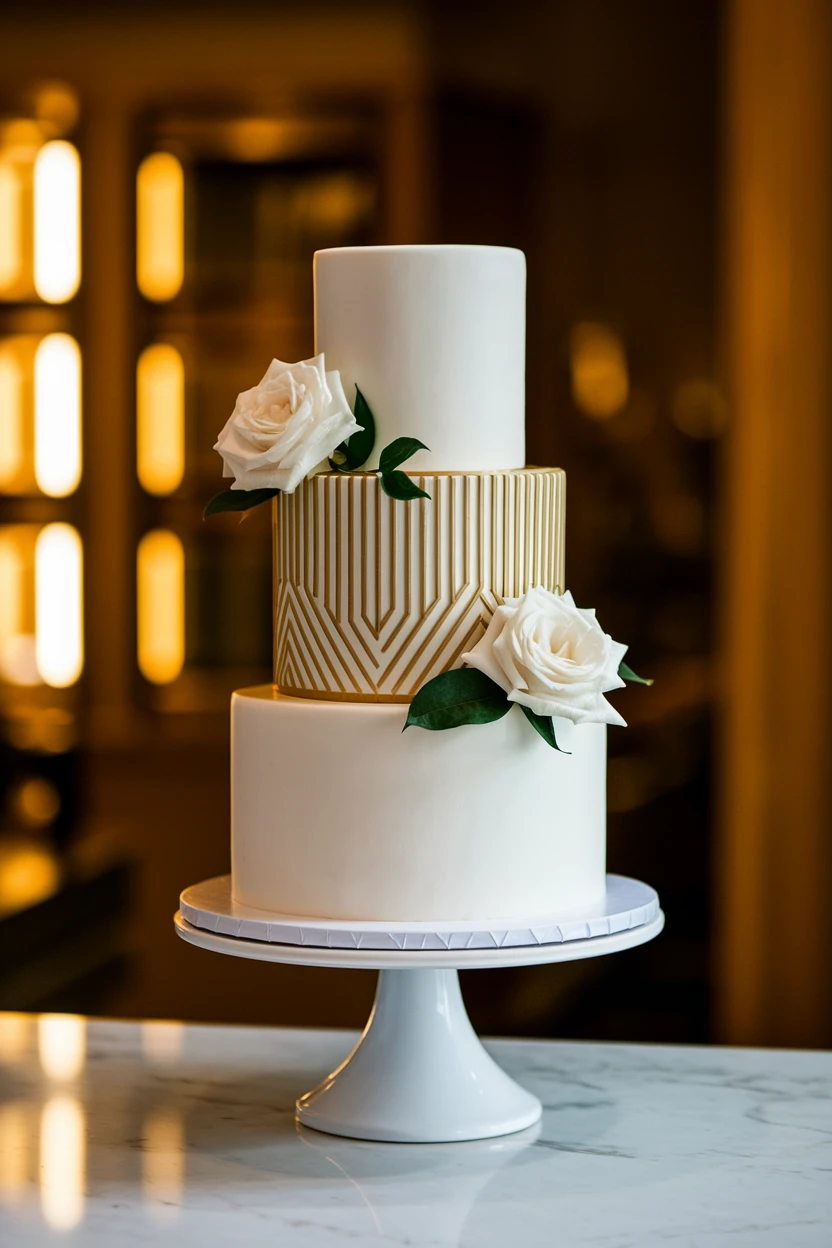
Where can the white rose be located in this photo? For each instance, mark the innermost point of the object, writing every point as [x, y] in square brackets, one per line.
[281, 430]
[549, 655]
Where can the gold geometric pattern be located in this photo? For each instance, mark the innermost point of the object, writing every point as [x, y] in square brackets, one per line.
[373, 597]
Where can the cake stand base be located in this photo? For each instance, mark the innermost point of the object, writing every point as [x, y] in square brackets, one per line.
[419, 1073]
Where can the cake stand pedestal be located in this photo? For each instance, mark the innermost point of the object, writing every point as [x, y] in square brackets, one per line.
[419, 1073]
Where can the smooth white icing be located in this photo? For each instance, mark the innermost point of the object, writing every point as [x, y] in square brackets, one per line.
[434, 337]
[337, 813]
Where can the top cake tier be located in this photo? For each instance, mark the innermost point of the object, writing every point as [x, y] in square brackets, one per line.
[435, 339]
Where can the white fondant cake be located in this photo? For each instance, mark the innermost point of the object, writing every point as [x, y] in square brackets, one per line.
[336, 812]
[435, 338]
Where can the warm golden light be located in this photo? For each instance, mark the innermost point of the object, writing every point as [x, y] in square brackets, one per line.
[160, 577]
[62, 1162]
[11, 414]
[600, 383]
[35, 802]
[59, 612]
[699, 409]
[162, 1042]
[57, 222]
[28, 874]
[11, 223]
[11, 608]
[62, 1045]
[56, 107]
[160, 226]
[14, 1150]
[15, 1031]
[160, 418]
[163, 1162]
[58, 415]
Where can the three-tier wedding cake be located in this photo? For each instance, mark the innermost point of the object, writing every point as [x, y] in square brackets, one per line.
[433, 597]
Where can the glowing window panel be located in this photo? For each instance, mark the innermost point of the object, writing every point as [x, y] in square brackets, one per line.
[62, 1162]
[11, 416]
[160, 584]
[11, 236]
[160, 226]
[160, 419]
[57, 222]
[59, 610]
[58, 415]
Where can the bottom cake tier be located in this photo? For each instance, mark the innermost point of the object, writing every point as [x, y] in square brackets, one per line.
[336, 813]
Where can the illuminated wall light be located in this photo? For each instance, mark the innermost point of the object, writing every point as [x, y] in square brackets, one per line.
[11, 235]
[14, 1150]
[600, 382]
[160, 226]
[162, 1042]
[160, 418]
[163, 1162]
[62, 1162]
[11, 414]
[62, 1045]
[57, 222]
[160, 583]
[59, 611]
[58, 415]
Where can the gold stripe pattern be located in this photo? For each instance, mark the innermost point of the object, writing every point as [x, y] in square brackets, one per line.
[373, 597]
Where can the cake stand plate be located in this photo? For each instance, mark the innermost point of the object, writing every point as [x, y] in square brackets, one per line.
[626, 904]
[419, 1073]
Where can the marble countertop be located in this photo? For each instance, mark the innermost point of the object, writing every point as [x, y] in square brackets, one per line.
[157, 1133]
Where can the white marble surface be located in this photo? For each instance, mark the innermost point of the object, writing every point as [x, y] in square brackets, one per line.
[124, 1134]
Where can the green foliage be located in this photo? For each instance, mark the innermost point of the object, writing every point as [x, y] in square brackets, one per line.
[397, 452]
[627, 673]
[544, 725]
[400, 485]
[464, 696]
[237, 500]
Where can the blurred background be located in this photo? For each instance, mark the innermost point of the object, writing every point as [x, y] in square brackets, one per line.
[166, 172]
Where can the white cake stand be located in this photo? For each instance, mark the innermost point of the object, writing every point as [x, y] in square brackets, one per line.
[419, 1074]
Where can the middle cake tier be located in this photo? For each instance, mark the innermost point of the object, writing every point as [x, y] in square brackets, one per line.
[373, 597]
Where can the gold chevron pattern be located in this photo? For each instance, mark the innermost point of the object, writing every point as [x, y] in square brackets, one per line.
[373, 596]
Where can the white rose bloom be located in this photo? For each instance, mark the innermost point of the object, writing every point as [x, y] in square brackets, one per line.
[549, 655]
[283, 429]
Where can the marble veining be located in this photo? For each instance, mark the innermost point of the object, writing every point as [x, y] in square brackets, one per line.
[129, 1134]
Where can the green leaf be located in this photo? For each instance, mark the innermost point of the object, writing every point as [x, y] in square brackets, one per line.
[359, 447]
[544, 725]
[627, 673]
[397, 452]
[400, 485]
[464, 696]
[237, 500]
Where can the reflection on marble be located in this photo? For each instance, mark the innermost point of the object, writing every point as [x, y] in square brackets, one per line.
[115, 1133]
